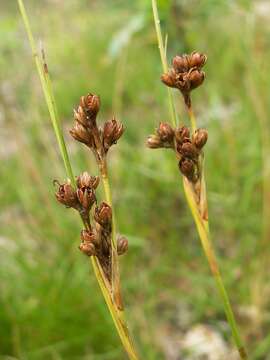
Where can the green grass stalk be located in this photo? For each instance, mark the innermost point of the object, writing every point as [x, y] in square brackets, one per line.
[117, 315]
[162, 51]
[200, 215]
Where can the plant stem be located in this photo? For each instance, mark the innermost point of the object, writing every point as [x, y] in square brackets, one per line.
[117, 315]
[163, 60]
[203, 231]
[47, 91]
[199, 208]
[200, 216]
[116, 288]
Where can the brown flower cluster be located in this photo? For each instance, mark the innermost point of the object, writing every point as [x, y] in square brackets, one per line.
[96, 237]
[86, 131]
[188, 148]
[186, 73]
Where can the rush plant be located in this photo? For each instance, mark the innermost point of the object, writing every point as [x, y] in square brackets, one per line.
[98, 236]
[186, 75]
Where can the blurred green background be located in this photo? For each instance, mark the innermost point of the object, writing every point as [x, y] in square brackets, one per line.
[50, 304]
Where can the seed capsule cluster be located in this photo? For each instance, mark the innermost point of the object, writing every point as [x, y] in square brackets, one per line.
[186, 73]
[96, 237]
[86, 131]
[188, 148]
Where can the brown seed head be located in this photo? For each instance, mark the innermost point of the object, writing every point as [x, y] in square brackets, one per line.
[154, 142]
[66, 195]
[165, 132]
[169, 78]
[81, 134]
[90, 104]
[181, 63]
[187, 168]
[181, 134]
[200, 137]
[103, 215]
[188, 150]
[88, 236]
[80, 116]
[86, 197]
[88, 181]
[197, 59]
[122, 245]
[88, 248]
[112, 131]
[196, 78]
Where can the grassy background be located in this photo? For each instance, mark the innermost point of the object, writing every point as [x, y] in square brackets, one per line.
[50, 306]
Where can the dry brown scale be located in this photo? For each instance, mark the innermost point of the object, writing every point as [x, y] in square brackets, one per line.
[97, 219]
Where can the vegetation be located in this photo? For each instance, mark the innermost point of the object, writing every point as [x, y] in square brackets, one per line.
[50, 306]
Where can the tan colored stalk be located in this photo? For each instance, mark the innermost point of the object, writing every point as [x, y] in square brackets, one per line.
[197, 201]
[116, 313]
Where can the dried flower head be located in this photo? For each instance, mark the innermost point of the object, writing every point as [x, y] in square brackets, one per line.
[186, 74]
[189, 150]
[85, 130]
[66, 195]
[88, 248]
[154, 142]
[90, 104]
[182, 134]
[82, 134]
[86, 180]
[200, 138]
[112, 131]
[86, 197]
[166, 133]
[103, 215]
[187, 168]
[122, 245]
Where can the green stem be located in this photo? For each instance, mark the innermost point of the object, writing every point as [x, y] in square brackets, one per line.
[163, 60]
[203, 231]
[48, 94]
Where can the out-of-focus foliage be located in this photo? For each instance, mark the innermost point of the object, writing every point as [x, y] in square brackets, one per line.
[50, 306]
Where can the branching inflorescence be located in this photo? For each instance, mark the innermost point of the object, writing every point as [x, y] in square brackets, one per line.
[96, 237]
[185, 75]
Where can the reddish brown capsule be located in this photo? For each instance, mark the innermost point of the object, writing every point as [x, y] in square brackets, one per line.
[86, 197]
[154, 142]
[80, 116]
[188, 150]
[122, 245]
[80, 133]
[66, 195]
[88, 236]
[200, 138]
[90, 104]
[187, 168]
[181, 134]
[196, 78]
[197, 59]
[165, 132]
[88, 248]
[112, 131]
[181, 63]
[103, 215]
[88, 181]
[169, 78]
